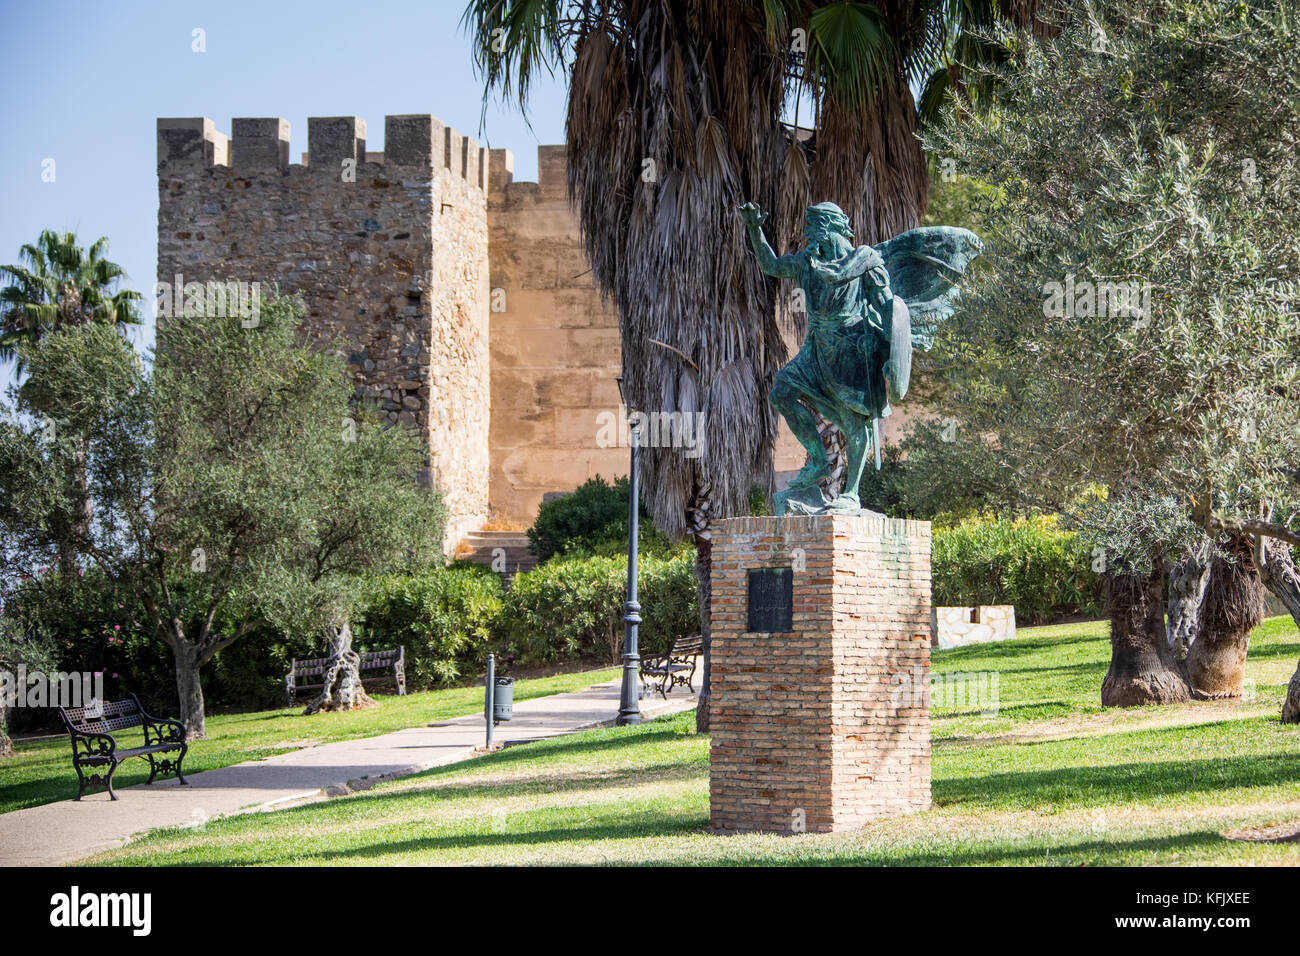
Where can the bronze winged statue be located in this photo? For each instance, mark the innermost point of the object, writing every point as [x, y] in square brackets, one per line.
[867, 307]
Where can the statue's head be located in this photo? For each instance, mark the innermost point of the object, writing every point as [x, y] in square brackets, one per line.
[824, 220]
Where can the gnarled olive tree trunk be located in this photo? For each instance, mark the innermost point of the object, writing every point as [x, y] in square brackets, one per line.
[1233, 607]
[6, 745]
[1188, 580]
[189, 688]
[1142, 665]
[1278, 572]
[1291, 706]
[342, 690]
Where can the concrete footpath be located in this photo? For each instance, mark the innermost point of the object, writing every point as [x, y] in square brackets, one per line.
[62, 832]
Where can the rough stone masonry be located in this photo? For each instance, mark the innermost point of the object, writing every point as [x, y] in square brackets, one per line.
[464, 300]
[826, 727]
[453, 289]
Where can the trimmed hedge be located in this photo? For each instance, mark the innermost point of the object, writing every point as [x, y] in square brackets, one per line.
[572, 608]
[443, 617]
[448, 619]
[592, 519]
[1045, 571]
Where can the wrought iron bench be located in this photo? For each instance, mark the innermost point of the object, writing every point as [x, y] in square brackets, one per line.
[95, 746]
[391, 660]
[675, 668]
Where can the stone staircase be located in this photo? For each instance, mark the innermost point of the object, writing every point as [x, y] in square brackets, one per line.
[513, 547]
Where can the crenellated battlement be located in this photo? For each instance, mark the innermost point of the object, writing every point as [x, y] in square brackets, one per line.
[388, 250]
[418, 141]
[461, 300]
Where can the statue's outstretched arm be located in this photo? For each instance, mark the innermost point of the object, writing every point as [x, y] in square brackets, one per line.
[782, 267]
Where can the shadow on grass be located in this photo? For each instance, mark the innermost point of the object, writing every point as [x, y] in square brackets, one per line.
[1288, 651]
[1042, 710]
[642, 827]
[1082, 668]
[1024, 855]
[651, 732]
[1110, 784]
[947, 658]
[652, 824]
[573, 781]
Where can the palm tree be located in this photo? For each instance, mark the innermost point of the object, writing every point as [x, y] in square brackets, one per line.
[674, 121]
[58, 285]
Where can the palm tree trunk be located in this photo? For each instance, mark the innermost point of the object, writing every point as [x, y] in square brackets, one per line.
[704, 588]
[1233, 607]
[1142, 667]
[1278, 572]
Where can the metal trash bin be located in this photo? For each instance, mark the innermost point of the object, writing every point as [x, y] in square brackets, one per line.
[503, 699]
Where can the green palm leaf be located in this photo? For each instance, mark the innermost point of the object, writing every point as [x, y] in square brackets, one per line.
[60, 284]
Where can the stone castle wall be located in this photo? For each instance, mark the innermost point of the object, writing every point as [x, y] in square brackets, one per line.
[463, 300]
[555, 347]
[388, 250]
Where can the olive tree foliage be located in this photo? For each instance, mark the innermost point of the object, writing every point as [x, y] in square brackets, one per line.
[235, 484]
[1135, 324]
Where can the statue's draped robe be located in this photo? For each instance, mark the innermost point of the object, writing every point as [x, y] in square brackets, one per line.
[839, 372]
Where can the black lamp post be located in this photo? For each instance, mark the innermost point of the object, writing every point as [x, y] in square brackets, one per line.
[629, 707]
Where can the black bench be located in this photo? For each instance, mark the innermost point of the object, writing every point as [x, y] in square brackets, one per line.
[675, 668]
[94, 746]
[391, 660]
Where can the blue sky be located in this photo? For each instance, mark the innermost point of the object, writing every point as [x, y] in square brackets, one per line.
[84, 83]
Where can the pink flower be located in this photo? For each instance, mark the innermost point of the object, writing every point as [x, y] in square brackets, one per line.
[114, 675]
[117, 627]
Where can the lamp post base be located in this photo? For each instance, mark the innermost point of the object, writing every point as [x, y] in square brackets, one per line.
[629, 711]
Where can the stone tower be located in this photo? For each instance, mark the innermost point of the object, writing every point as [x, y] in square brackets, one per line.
[388, 250]
[464, 299]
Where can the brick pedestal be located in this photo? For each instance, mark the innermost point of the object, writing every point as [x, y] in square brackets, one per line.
[825, 727]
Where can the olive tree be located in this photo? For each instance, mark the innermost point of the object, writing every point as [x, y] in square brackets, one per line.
[1135, 325]
[236, 484]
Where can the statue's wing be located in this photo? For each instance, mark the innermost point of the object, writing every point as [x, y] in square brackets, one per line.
[925, 266]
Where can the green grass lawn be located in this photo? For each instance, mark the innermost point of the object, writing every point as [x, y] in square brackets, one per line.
[41, 771]
[1050, 778]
